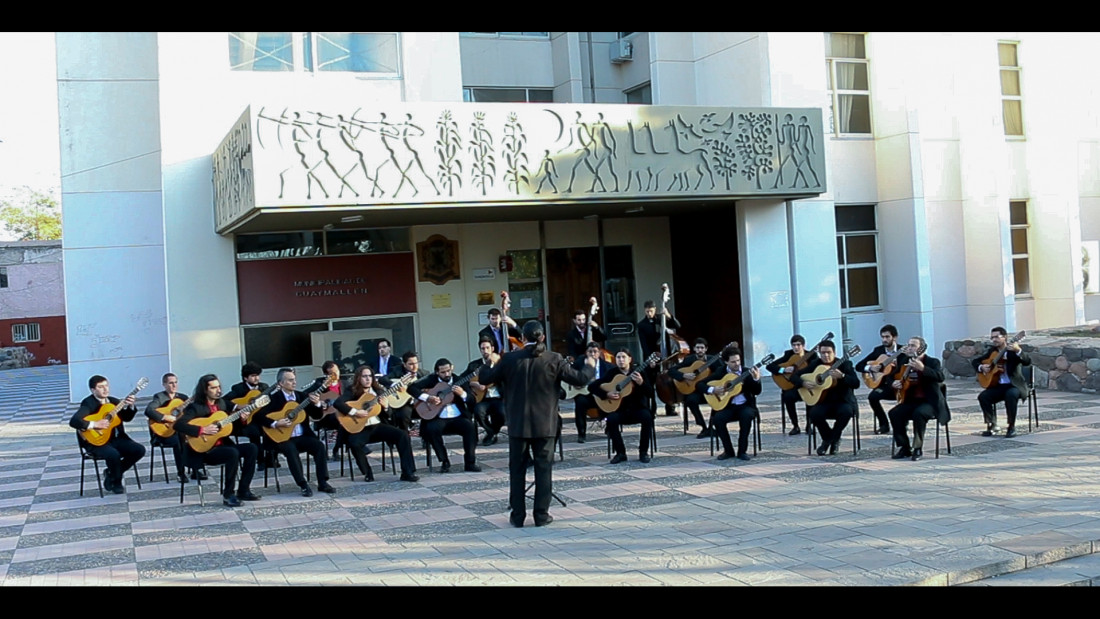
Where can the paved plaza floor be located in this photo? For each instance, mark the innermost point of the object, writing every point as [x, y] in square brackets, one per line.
[993, 507]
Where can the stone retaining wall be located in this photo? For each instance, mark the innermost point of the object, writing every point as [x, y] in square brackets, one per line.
[1061, 362]
[15, 357]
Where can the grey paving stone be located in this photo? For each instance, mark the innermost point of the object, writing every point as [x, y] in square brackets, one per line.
[312, 531]
[70, 563]
[398, 507]
[402, 535]
[188, 534]
[76, 534]
[638, 501]
[488, 508]
[76, 514]
[267, 510]
[201, 562]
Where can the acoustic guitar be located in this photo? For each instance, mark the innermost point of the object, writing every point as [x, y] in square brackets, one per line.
[446, 395]
[99, 438]
[821, 379]
[371, 406]
[622, 385]
[731, 385]
[796, 363]
[872, 379]
[996, 368]
[165, 429]
[479, 394]
[702, 368]
[903, 371]
[205, 442]
[249, 397]
[295, 412]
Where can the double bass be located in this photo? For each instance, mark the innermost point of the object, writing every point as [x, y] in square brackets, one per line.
[666, 391]
[604, 353]
[510, 342]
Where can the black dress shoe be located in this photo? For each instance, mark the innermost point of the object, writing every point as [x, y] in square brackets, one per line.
[231, 501]
[307, 491]
[744, 457]
[987, 433]
[884, 430]
[183, 479]
[544, 522]
[618, 458]
[119, 489]
[201, 474]
[413, 477]
[645, 458]
[515, 522]
[823, 449]
[445, 467]
[704, 433]
[917, 454]
[902, 453]
[580, 439]
[834, 447]
[326, 488]
[795, 431]
[472, 468]
[248, 495]
[725, 455]
[1011, 432]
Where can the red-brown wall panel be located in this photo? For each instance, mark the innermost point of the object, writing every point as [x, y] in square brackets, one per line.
[325, 287]
[52, 345]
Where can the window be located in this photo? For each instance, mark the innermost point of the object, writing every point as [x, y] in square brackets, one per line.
[25, 332]
[541, 35]
[640, 94]
[3, 277]
[349, 52]
[1017, 212]
[309, 243]
[849, 91]
[1011, 101]
[857, 255]
[508, 95]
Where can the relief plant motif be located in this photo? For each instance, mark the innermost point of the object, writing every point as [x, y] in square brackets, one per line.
[754, 145]
[514, 157]
[448, 143]
[481, 147]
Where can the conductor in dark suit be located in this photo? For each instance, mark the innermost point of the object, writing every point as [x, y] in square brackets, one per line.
[529, 383]
[921, 401]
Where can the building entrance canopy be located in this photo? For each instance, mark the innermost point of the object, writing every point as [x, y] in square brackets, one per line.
[294, 166]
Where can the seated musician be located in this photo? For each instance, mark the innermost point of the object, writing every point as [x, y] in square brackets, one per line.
[454, 419]
[649, 337]
[496, 333]
[885, 391]
[692, 400]
[1010, 387]
[374, 433]
[576, 341]
[386, 362]
[489, 412]
[171, 385]
[250, 382]
[121, 452]
[838, 402]
[402, 415]
[918, 384]
[633, 408]
[206, 401]
[742, 407]
[788, 397]
[302, 437]
[584, 402]
[328, 422]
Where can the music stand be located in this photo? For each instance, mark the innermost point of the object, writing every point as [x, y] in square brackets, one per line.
[529, 463]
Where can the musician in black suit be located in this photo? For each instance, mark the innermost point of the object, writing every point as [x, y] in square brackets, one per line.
[401, 416]
[649, 336]
[789, 397]
[171, 383]
[374, 432]
[885, 391]
[385, 362]
[250, 381]
[454, 419]
[633, 408]
[489, 412]
[302, 437]
[495, 332]
[121, 452]
[1010, 387]
[576, 341]
[207, 400]
[328, 422]
[693, 399]
[838, 402]
[585, 401]
[741, 407]
[921, 401]
[529, 379]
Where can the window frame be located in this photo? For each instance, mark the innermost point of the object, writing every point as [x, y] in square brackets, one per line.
[1026, 256]
[835, 92]
[3, 277]
[544, 36]
[845, 266]
[1019, 98]
[467, 93]
[299, 57]
[23, 332]
[639, 88]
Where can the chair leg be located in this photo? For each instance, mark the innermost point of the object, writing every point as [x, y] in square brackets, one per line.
[163, 463]
[757, 444]
[98, 481]
[855, 434]
[137, 476]
[937, 440]
[152, 461]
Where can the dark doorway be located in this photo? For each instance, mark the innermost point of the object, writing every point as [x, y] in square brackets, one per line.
[573, 277]
[706, 284]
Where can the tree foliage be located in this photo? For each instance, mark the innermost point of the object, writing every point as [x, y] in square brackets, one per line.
[31, 215]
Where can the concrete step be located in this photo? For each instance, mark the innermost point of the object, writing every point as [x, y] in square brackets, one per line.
[1078, 571]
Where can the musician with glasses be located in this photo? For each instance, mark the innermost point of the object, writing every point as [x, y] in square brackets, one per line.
[302, 437]
[1009, 387]
[918, 384]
